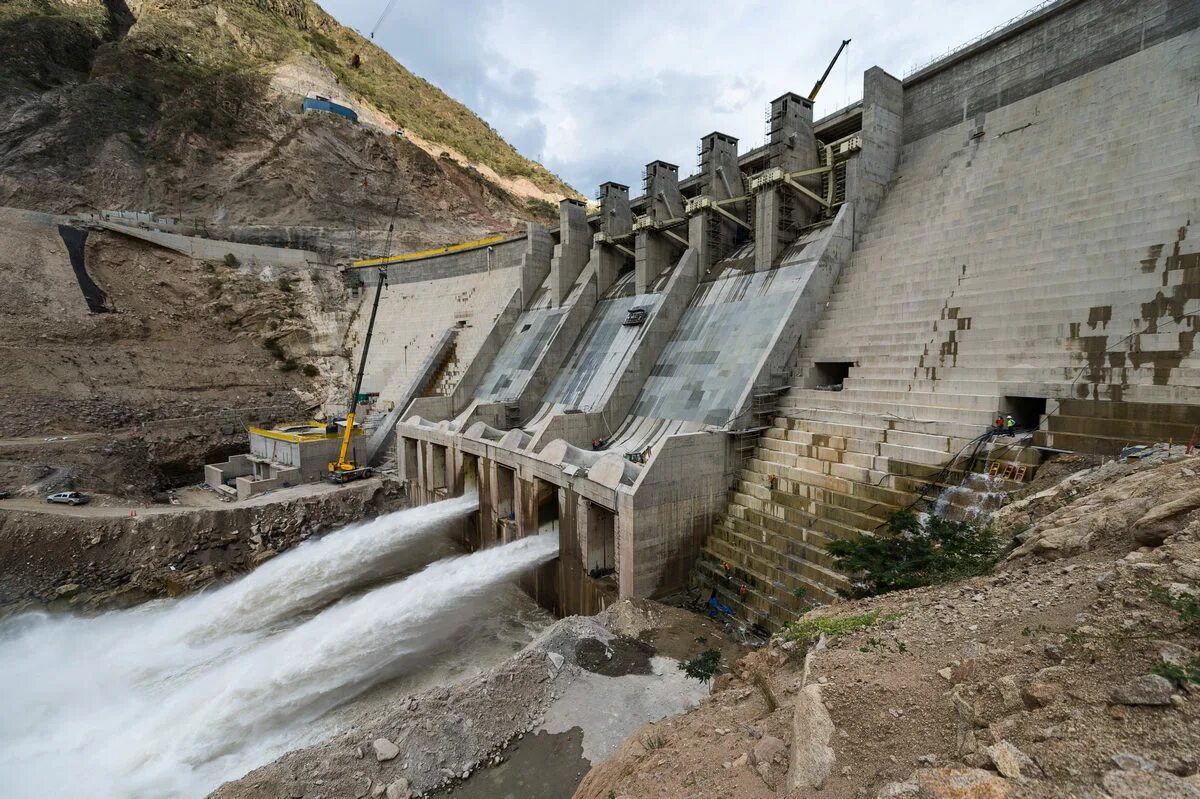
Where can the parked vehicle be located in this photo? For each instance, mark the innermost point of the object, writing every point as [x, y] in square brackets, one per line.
[3, 493]
[69, 498]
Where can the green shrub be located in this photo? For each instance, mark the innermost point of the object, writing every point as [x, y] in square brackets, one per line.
[910, 554]
[1186, 605]
[288, 366]
[1180, 675]
[232, 261]
[310, 370]
[704, 666]
[806, 631]
[284, 284]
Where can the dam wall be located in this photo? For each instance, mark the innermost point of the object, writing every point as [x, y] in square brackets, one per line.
[1053, 44]
[819, 336]
[1034, 260]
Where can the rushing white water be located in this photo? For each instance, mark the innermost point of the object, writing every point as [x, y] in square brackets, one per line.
[978, 496]
[171, 699]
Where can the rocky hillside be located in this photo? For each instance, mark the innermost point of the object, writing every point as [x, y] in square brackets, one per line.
[1071, 671]
[181, 356]
[192, 109]
[103, 561]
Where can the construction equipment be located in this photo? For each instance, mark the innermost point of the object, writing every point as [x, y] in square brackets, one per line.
[343, 470]
[817, 87]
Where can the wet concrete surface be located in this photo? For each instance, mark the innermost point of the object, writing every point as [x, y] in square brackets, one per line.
[539, 766]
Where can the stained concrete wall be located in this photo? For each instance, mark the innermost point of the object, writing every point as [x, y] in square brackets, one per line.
[216, 250]
[310, 458]
[572, 252]
[869, 172]
[1062, 42]
[501, 255]
[479, 293]
[663, 519]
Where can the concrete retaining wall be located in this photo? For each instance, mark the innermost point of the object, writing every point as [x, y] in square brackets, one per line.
[1062, 42]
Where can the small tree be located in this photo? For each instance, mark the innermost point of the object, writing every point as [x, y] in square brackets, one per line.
[704, 666]
[909, 553]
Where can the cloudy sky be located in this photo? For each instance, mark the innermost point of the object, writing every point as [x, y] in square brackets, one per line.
[596, 90]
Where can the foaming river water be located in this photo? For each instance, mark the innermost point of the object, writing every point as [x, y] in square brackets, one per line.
[175, 697]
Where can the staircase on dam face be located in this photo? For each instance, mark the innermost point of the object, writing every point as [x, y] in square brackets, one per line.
[1051, 258]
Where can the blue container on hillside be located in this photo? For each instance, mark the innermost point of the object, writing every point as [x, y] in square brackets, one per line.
[316, 102]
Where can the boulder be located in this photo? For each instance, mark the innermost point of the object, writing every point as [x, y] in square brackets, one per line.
[812, 729]
[1011, 762]
[384, 749]
[959, 783]
[398, 790]
[898, 790]
[769, 750]
[1149, 689]
[1040, 694]
[1164, 520]
[1010, 695]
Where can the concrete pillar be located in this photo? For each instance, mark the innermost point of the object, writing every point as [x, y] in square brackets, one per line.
[609, 263]
[712, 234]
[766, 228]
[616, 218]
[654, 252]
[780, 210]
[616, 222]
[535, 262]
[573, 250]
[882, 132]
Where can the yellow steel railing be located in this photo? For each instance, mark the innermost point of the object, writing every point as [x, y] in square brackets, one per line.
[318, 433]
[412, 256]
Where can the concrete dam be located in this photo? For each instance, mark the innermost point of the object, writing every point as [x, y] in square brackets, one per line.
[704, 384]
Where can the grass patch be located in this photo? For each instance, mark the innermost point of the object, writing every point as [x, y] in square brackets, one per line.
[653, 742]
[807, 631]
[1180, 675]
[911, 553]
[1186, 605]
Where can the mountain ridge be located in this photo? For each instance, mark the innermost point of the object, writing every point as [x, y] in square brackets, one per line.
[193, 109]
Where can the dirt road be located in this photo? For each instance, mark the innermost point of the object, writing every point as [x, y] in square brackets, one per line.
[105, 507]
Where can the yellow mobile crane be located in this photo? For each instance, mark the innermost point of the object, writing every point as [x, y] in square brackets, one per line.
[343, 470]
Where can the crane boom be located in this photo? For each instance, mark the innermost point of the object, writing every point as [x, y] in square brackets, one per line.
[817, 86]
[343, 470]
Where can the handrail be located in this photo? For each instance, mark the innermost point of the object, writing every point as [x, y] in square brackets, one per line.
[966, 45]
[395, 259]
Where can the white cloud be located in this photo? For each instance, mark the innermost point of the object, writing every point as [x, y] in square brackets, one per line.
[597, 90]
